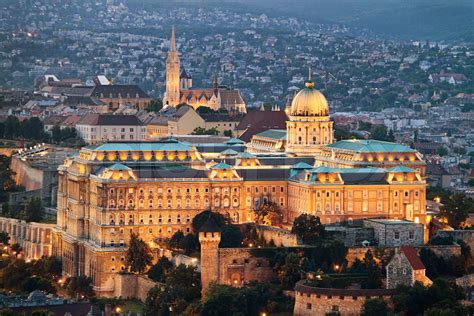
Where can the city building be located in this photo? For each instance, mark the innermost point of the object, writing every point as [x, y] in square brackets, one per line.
[179, 89]
[369, 153]
[396, 232]
[309, 127]
[406, 268]
[155, 189]
[96, 128]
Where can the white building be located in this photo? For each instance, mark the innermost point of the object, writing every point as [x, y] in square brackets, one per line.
[96, 128]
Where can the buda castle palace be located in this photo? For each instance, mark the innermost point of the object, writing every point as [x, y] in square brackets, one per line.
[109, 191]
[179, 88]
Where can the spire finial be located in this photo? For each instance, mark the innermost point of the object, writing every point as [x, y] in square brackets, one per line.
[309, 84]
[172, 40]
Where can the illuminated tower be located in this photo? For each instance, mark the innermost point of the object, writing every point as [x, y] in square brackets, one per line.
[309, 127]
[172, 74]
[209, 237]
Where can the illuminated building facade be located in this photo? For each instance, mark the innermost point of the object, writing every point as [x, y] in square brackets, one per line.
[154, 189]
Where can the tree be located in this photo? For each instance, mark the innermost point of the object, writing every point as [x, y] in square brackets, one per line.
[6, 209]
[203, 131]
[14, 274]
[231, 237]
[159, 270]
[38, 283]
[290, 272]
[442, 151]
[7, 183]
[253, 300]
[155, 105]
[456, 208]
[190, 243]
[79, 287]
[176, 239]
[417, 299]
[4, 238]
[268, 213]
[32, 128]
[204, 216]
[16, 248]
[309, 228]
[374, 273]
[375, 307]
[56, 133]
[138, 255]
[33, 210]
[12, 127]
[182, 287]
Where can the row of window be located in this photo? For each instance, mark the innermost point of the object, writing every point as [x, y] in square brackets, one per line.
[226, 202]
[122, 220]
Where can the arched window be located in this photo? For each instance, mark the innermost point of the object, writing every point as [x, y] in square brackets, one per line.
[235, 218]
[112, 219]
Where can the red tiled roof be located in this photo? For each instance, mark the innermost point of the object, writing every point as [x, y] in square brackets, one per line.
[71, 120]
[412, 257]
[258, 121]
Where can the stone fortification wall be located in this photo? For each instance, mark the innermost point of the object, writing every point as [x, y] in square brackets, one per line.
[321, 301]
[237, 266]
[279, 236]
[132, 286]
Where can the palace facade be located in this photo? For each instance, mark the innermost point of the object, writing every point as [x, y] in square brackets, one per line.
[154, 189]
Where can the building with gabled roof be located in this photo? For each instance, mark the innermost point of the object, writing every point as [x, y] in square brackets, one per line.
[95, 128]
[179, 88]
[406, 268]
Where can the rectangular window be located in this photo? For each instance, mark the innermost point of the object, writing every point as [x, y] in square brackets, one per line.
[397, 235]
[412, 234]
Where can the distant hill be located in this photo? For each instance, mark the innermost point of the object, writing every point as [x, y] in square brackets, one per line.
[440, 20]
[435, 20]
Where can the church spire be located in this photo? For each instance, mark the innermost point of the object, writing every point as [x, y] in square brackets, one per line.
[172, 40]
[172, 93]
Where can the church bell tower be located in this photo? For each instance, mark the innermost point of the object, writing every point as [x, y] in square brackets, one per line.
[172, 94]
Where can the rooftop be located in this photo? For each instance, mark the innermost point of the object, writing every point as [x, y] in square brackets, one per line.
[370, 146]
[391, 221]
[273, 133]
[167, 145]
